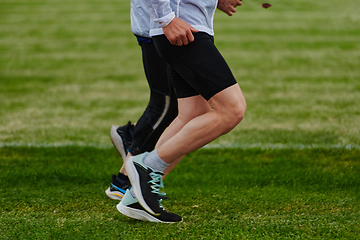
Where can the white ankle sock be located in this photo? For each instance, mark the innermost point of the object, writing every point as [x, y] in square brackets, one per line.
[155, 162]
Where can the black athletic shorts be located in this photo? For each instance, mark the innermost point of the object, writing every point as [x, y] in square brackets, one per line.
[196, 68]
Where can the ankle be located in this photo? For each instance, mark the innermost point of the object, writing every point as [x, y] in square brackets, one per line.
[155, 162]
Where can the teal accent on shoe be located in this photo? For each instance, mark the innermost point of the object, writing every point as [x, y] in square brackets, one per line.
[128, 199]
[156, 182]
[140, 160]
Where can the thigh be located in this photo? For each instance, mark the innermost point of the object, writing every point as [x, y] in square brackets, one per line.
[199, 64]
[183, 88]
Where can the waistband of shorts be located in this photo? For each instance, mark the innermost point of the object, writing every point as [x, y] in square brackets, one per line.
[143, 39]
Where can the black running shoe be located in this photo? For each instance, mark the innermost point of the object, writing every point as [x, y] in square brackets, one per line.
[116, 191]
[122, 137]
[146, 184]
[130, 207]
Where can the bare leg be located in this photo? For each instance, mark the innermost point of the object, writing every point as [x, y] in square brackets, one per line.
[189, 108]
[228, 109]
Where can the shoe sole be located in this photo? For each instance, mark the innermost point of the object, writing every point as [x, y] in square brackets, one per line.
[137, 214]
[135, 184]
[114, 196]
[117, 141]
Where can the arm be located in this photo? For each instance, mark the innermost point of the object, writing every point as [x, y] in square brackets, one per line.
[177, 31]
[228, 6]
[160, 11]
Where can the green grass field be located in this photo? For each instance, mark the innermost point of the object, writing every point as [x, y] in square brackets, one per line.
[290, 170]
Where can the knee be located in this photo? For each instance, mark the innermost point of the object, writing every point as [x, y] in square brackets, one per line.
[239, 113]
[233, 116]
[230, 106]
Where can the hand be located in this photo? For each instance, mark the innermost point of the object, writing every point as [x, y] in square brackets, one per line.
[179, 32]
[228, 6]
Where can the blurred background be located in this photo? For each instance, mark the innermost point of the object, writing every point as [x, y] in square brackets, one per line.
[71, 69]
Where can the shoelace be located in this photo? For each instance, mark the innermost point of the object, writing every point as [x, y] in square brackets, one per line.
[160, 199]
[156, 184]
